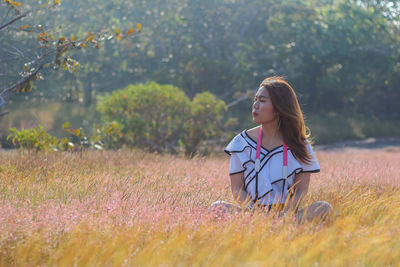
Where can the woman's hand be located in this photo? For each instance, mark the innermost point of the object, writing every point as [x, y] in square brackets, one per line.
[238, 192]
[301, 184]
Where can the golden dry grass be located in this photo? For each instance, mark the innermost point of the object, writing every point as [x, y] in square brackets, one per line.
[137, 209]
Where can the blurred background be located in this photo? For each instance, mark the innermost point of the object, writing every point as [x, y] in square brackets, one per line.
[342, 57]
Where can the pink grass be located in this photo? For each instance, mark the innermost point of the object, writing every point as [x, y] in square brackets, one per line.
[55, 193]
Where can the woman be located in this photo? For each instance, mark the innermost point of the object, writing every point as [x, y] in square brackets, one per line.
[271, 164]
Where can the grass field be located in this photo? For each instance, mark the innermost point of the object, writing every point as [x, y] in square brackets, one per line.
[137, 209]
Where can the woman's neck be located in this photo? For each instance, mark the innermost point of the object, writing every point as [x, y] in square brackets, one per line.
[270, 131]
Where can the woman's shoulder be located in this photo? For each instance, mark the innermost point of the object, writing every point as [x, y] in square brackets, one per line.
[242, 134]
[252, 132]
[238, 143]
[247, 134]
[310, 166]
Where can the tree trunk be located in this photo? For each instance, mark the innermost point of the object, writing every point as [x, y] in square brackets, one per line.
[88, 88]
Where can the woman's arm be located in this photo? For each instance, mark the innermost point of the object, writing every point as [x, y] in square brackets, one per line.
[237, 187]
[301, 184]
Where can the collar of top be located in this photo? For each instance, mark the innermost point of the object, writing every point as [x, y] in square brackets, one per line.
[257, 163]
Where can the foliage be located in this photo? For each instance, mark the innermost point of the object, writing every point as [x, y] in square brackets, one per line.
[159, 117]
[152, 115]
[36, 138]
[106, 136]
[335, 127]
[228, 47]
[76, 137]
[206, 121]
[53, 50]
[337, 54]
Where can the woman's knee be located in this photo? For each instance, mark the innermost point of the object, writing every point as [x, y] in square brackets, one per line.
[320, 209]
[221, 205]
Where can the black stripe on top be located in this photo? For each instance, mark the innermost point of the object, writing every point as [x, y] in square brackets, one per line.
[255, 143]
[252, 143]
[284, 179]
[270, 156]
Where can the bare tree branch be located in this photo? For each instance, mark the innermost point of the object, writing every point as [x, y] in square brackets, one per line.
[245, 96]
[14, 20]
[58, 48]
[19, 85]
[3, 114]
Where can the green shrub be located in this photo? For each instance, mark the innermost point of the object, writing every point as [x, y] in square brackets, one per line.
[161, 117]
[206, 121]
[107, 136]
[33, 138]
[77, 139]
[152, 116]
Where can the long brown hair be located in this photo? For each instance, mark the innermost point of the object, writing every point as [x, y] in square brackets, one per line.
[287, 107]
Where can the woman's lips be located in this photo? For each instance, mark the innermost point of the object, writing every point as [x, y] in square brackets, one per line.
[255, 114]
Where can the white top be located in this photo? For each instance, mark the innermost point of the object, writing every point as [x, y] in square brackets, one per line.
[272, 187]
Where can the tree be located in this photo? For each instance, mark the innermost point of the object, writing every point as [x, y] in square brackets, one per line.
[54, 49]
[336, 53]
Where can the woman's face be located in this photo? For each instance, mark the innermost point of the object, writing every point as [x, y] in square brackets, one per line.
[263, 110]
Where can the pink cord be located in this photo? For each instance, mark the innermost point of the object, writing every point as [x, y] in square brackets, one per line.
[259, 150]
[284, 154]
[259, 143]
